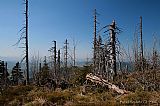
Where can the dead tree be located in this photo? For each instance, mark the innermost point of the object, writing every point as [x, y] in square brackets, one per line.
[95, 40]
[139, 53]
[24, 36]
[103, 82]
[27, 60]
[112, 29]
[141, 46]
[74, 51]
[58, 65]
[55, 57]
[53, 61]
[65, 59]
[104, 56]
[154, 59]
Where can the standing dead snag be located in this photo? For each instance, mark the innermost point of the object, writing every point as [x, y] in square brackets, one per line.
[27, 60]
[141, 46]
[65, 59]
[104, 54]
[155, 58]
[58, 65]
[55, 56]
[74, 51]
[53, 59]
[112, 28]
[24, 36]
[95, 40]
[139, 59]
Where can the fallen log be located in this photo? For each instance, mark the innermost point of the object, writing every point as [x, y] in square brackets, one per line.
[104, 82]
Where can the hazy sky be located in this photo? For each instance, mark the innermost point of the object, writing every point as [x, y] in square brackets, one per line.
[60, 19]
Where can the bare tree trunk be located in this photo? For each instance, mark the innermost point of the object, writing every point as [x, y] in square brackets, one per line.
[27, 59]
[141, 46]
[65, 59]
[55, 64]
[113, 49]
[58, 65]
[95, 41]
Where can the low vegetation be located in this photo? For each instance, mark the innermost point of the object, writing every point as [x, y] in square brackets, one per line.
[94, 95]
[36, 96]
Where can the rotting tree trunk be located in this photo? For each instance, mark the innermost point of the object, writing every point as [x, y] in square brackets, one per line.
[104, 82]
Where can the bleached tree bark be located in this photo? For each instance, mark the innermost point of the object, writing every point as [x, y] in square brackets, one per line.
[104, 82]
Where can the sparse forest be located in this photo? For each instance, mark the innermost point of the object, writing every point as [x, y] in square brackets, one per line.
[105, 80]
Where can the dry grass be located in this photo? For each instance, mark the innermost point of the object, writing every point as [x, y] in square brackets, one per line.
[37, 96]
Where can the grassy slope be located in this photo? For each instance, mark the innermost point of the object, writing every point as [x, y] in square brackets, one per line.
[36, 96]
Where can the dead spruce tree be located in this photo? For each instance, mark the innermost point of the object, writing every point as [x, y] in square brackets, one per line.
[24, 40]
[105, 51]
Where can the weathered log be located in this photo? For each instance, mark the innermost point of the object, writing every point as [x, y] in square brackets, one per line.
[103, 82]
